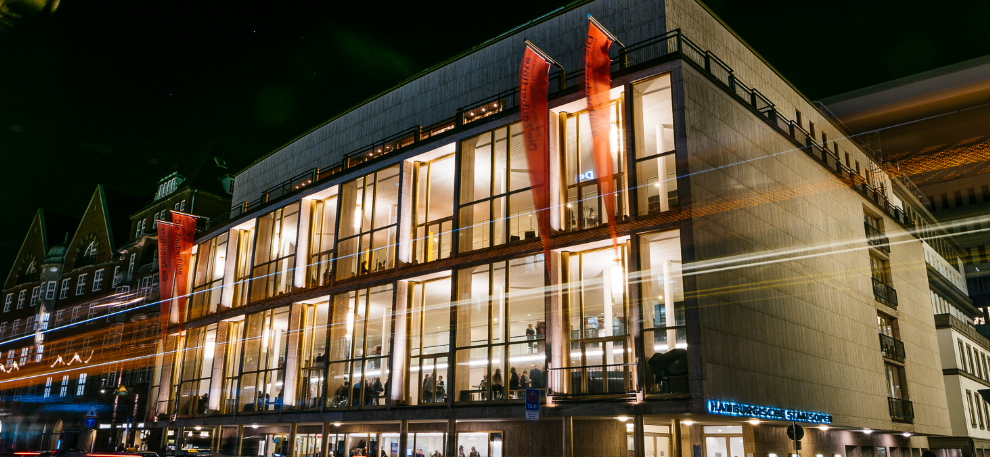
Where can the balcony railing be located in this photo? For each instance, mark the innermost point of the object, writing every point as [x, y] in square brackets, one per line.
[891, 348]
[884, 293]
[876, 238]
[592, 381]
[900, 409]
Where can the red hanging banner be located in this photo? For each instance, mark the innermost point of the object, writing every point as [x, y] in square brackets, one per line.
[597, 83]
[534, 75]
[166, 270]
[185, 232]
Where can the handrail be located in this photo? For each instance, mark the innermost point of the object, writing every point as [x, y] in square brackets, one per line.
[876, 238]
[884, 293]
[892, 348]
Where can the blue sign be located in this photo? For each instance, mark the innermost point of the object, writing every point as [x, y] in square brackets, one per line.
[90, 422]
[728, 408]
[586, 175]
[128, 420]
[532, 399]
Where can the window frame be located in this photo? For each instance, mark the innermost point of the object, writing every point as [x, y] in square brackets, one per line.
[640, 142]
[97, 280]
[275, 275]
[423, 241]
[81, 284]
[367, 233]
[64, 291]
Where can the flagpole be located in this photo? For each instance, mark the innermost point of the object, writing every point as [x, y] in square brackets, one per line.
[606, 32]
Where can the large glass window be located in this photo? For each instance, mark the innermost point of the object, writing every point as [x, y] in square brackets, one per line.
[324, 228]
[312, 355]
[360, 335]
[584, 201]
[231, 366]
[263, 364]
[501, 328]
[429, 342]
[656, 174]
[208, 279]
[664, 330]
[196, 371]
[434, 209]
[596, 310]
[242, 269]
[275, 253]
[496, 201]
[368, 216]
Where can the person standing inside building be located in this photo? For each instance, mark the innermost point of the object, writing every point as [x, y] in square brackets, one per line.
[530, 335]
[428, 388]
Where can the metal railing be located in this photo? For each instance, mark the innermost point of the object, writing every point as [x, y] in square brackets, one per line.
[594, 380]
[884, 293]
[891, 348]
[876, 238]
[900, 409]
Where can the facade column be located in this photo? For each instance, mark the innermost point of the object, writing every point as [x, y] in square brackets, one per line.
[229, 270]
[240, 439]
[325, 442]
[404, 251]
[639, 435]
[568, 445]
[451, 438]
[675, 438]
[403, 437]
[399, 349]
[293, 429]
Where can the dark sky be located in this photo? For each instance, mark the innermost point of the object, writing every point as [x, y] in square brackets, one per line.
[119, 93]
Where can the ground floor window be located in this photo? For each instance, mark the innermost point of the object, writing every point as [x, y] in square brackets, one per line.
[724, 441]
[479, 444]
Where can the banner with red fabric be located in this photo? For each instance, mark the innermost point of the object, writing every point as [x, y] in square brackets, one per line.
[166, 270]
[597, 83]
[185, 232]
[534, 73]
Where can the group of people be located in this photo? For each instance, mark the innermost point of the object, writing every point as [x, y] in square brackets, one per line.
[434, 390]
[373, 390]
[531, 378]
[536, 337]
[474, 452]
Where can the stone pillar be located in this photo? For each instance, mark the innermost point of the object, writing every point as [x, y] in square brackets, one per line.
[403, 437]
[568, 445]
[404, 251]
[399, 350]
[675, 438]
[451, 437]
[240, 439]
[219, 356]
[639, 435]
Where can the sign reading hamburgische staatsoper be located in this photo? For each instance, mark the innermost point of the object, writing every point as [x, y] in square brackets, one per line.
[728, 408]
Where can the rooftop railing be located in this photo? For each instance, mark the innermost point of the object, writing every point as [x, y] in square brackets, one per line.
[637, 55]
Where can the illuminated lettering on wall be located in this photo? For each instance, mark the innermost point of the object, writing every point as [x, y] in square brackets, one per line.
[728, 408]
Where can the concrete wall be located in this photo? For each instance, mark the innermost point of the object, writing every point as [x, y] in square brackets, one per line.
[437, 95]
[786, 306]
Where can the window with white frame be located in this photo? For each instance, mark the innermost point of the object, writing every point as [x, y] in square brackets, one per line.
[116, 271]
[92, 313]
[10, 357]
[58, 317]
[97, 280]
[75, 314]
[50, 290]
[130, 266]
[81, 384]
[44, 320]
[65, 386]
[24, 355]
[20, 298]
[81, 284]
[34, 295]
[3, 329]
[39, 353]
[64, 293]
[7, 301]
[48, 387]
[16, 328]
[182, 205]
[29, 325]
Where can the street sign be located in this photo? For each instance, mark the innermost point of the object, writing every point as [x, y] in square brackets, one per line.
[532, 404]
[795, 432]
[90, 422]
[92, 413]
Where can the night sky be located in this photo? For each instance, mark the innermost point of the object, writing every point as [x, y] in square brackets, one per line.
[120, 93]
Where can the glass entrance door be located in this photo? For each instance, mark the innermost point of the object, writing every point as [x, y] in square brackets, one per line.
[308, 445]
